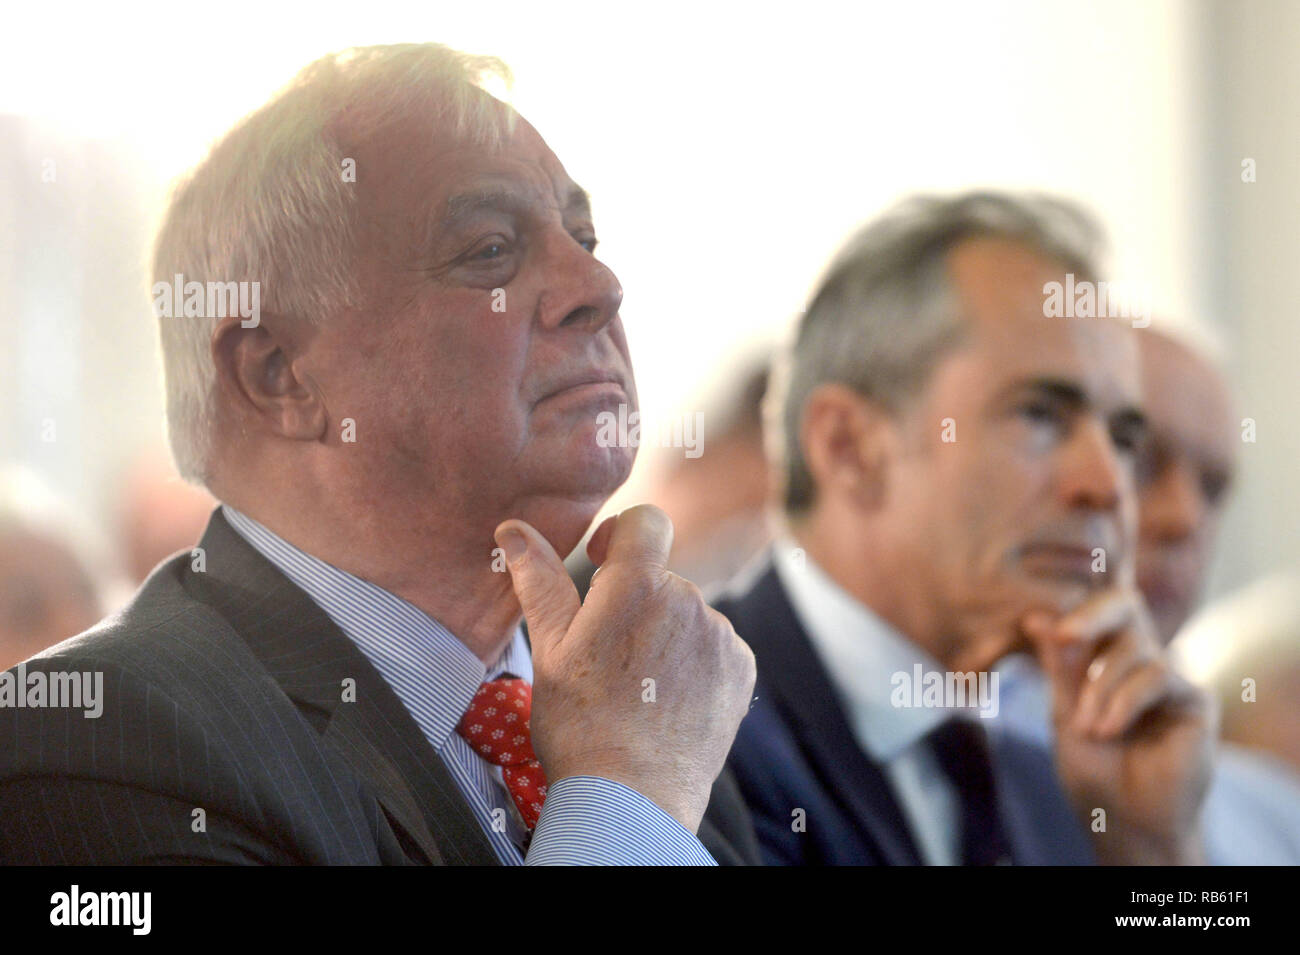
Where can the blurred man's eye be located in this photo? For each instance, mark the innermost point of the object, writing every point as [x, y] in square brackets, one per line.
[1153, 459]
[1131, 435]
[1213, 486]
[1040, 413]
[1127, 440]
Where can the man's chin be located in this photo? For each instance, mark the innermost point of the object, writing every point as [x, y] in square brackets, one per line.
[1062, 592]
[1017, 598]
[591, 471]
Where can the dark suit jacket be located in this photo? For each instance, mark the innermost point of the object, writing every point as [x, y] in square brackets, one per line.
[223, 692]
[795, 750]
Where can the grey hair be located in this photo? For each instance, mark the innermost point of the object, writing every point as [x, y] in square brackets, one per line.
[885, 311]
[270, 203]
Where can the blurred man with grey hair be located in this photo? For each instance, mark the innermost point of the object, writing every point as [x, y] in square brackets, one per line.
[387, 340]
[959, 484]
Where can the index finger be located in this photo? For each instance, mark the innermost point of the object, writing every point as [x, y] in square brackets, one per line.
[1096, 618]
[641, 535]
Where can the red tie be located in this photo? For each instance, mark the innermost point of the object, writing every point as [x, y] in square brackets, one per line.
[498, 726]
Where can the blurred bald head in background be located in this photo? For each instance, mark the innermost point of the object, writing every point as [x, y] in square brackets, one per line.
[1184, 473]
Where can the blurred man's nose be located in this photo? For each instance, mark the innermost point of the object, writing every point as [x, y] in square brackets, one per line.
[579, 291]
[1092, 474]
[1171, 505]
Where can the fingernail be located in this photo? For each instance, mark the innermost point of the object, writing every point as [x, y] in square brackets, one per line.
[513, 543]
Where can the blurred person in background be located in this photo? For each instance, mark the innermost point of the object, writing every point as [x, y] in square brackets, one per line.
[47, 591]
[158, 514]
[1246, 648]
[717, 501]
[953, 458]
[1187, 467]
[1185, 470]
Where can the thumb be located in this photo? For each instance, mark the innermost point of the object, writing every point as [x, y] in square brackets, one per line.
[542, 585]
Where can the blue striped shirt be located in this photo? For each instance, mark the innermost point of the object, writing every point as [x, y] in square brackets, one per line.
[585, 820]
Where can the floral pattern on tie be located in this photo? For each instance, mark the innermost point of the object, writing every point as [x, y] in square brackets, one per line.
[498, 725]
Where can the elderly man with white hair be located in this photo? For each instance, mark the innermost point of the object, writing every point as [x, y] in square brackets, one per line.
[401, 431]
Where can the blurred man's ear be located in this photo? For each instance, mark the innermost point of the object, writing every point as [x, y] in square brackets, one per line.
[849, 442]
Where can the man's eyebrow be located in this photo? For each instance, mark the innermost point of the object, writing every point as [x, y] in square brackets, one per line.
[1073, 395]
[1060, 389]
[1133, 418]
[463, 204]
[578, 203]
[505, 199]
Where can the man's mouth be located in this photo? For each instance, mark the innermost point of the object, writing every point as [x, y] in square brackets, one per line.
[1160, 589]
[587, 387]
[1072, 562]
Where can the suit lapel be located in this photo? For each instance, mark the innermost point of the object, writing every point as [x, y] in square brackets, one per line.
[790, 670]
[311, 658]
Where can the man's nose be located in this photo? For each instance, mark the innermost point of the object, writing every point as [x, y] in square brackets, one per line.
[1092, 475]
[1171, 506]
[579, 290]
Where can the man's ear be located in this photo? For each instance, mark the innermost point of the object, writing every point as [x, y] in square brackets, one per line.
[263, 383]
[848, 443]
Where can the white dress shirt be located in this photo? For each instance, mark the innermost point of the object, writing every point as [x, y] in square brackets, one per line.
[861, 653]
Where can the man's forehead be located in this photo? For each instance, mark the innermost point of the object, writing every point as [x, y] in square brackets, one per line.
[1100, 361]
[999, 285]
[1187, 396]
[426, 164]
[997, 277]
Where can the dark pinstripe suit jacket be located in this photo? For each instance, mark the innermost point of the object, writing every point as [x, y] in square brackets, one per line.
[223, 692]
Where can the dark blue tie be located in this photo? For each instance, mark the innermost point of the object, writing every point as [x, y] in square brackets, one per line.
[963, 753]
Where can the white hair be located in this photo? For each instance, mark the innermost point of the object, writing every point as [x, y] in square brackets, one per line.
[271, 204]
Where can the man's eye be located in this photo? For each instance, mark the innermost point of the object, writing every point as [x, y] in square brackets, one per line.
[1128, 443]
[589, 244]
[1213, 486]
[1132, 438]
[1038, 412]
[490, 250]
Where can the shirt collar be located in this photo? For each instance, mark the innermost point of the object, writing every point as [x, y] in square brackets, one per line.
[861, 652]
[433, 673]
